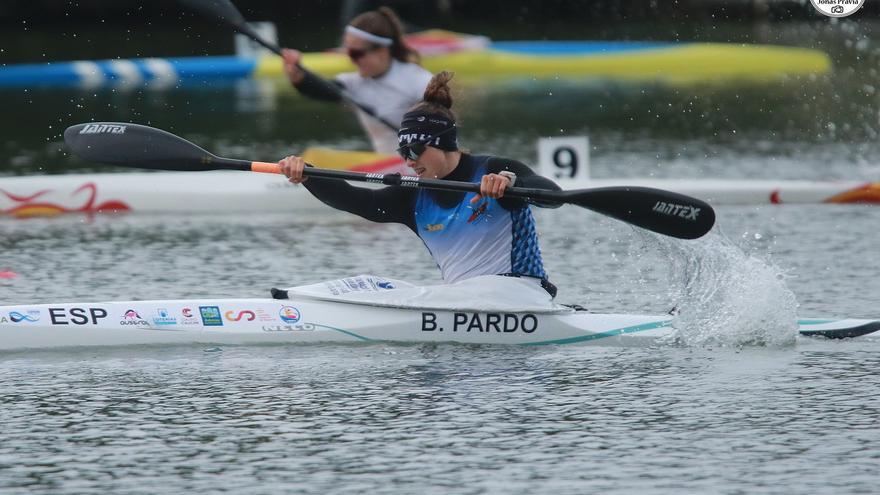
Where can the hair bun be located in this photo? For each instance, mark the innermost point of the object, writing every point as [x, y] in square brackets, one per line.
[438, 91]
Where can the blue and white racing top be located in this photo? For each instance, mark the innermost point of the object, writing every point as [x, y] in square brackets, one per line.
[489, 237]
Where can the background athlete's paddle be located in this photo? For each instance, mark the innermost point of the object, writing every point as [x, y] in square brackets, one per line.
[133, 145]
[227, 13]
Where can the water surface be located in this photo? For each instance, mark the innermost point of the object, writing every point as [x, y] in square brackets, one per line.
[711, 418]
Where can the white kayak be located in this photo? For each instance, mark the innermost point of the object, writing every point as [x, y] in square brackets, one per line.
[177, 192]
[362, 309]
[228, 191]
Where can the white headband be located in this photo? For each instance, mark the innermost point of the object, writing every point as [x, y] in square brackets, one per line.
[360, 33]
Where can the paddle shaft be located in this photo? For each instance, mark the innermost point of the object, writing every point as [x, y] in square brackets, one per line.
[229, 14]
[587, 198]
[664, 212]
[390, 179]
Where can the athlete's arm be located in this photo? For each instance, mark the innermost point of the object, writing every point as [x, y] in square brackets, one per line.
[319, 89]
[386, 205]
[307, 83]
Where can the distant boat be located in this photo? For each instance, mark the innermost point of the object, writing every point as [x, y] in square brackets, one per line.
[469, 56]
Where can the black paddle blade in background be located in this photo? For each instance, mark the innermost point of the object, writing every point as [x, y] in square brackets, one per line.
[219, 9]
[225, 11]
[133, 145]
[660, 211]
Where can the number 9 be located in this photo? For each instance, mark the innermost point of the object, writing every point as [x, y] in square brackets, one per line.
[566, 162]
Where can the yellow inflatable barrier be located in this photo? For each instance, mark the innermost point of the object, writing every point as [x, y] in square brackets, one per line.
[666, 62]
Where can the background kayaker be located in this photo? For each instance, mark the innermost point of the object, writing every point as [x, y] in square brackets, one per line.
[467, 234]
[388, 79]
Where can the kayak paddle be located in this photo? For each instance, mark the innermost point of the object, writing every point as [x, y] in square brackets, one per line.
[133, 145]
[225, 11]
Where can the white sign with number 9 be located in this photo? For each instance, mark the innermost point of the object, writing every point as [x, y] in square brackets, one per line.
[564, 158]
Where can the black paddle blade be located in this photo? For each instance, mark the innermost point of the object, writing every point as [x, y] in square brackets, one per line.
[225, 11]
[133, 145]
[217, 9]
[660, 211]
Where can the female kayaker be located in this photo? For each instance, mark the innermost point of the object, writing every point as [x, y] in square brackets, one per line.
[388, 78]
[467, 234]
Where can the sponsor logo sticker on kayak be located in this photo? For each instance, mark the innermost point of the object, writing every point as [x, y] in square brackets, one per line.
[300, 327]
[289, 314]
[103, 129]
[29, 316]
[188, 317]
[132, 317]
[362, 283]
[248, 315]
[687, 212]
[164, 317]
[211, 316]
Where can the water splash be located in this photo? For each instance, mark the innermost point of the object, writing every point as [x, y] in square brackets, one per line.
[727, 297]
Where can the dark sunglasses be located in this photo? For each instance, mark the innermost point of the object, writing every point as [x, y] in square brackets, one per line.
[412, 151]
[358, 53]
